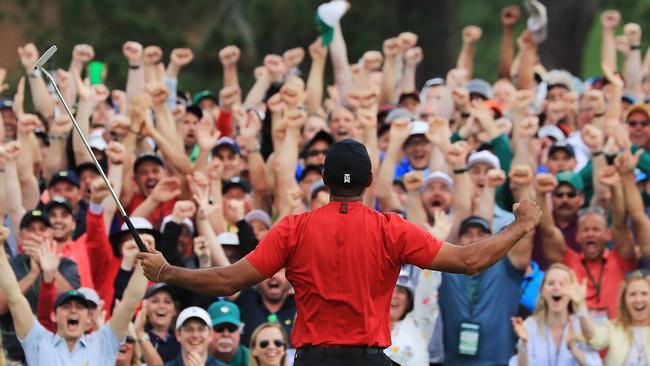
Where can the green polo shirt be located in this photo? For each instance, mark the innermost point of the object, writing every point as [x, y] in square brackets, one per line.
[241, 358]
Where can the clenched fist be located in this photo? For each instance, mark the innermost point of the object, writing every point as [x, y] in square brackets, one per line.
[528, 213]
[545, 183]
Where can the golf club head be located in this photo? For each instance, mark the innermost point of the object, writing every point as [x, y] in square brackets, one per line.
[44, 58]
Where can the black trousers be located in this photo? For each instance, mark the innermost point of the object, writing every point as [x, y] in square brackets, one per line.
[342, 356]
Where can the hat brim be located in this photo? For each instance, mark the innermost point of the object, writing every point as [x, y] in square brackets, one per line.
[116, 238]
[226, 319]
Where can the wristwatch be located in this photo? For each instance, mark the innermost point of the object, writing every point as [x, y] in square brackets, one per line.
[145, 338]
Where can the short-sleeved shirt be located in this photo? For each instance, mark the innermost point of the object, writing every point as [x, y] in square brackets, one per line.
[43, 347]
[20, 264]
[167, 348]
[343, 260]
[530, 287]
[495, 302]
[254, 313]
[609, 272]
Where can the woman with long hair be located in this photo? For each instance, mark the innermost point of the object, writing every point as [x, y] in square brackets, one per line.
[269, 345]
[627, 337]
[551, 336]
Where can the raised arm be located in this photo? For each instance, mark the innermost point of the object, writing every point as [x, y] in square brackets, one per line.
[509, 18]
[632, 67]
[471, 36]
[89, 97]
[625, 165]
[264, 76]
[41, 98]
[399, 132]
[135, 78]
[609, 20]
[621, 236]
[340, 63]
[528, 50]
[21, 312]
[412, 58]
[81, 55]
[229, 56]
[461, 196]
[318, 55]
[521, 176]
[249, 129]
[554, 244]
[389, 71]
[132, 295]
[480, 255]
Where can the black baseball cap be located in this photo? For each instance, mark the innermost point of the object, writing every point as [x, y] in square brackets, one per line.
[161, 286]
[58, 202]
[347, 164]
[34, 215]
[474, 221]
[89, 165]
[69, 296]
[562, 146]
[235, 182]
[148, 156]
[319, 136]
[64, 175]
[195, 110]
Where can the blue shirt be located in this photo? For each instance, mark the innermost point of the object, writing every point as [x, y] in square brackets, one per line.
[501, 218]
[496, 300]
[43, 347]
[403, 167]
[530, 287]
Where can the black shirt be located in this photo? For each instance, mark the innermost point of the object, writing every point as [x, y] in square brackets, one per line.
[254, 313]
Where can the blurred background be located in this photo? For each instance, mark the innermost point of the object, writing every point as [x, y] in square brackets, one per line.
[259, 27]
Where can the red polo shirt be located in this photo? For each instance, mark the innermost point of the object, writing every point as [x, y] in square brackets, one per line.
[607, 273]
[343, 260]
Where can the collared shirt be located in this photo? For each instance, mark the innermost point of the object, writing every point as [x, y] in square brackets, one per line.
[43, 347]
[607, 274]
[76, 251]
[344, 259]
[241, 357]
[530, 287]
[167, 348]
[254, 312]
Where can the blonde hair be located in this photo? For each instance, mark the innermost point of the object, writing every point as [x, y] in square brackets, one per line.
[256, 333]
[624, 318]
[541, 308]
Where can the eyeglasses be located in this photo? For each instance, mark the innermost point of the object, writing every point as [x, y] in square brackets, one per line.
[571, 194]
[312, 153]
[231, 328]
[633, 124]
[277, 342]
[129, 340]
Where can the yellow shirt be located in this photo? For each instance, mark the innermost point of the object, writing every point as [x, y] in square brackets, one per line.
[613, 337]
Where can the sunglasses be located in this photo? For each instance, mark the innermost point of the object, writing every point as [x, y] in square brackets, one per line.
[220, 328]
[633, 124]
[277, 342]
[312, 153]
[571, 194]
[129, 340]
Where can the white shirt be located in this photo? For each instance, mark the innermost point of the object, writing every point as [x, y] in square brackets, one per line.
[636, 356]
[409, 346]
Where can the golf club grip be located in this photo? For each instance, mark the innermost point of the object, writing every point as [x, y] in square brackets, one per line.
[134, 234]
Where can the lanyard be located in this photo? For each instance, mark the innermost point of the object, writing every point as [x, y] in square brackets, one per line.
[549, 341]
[473, 284]
[597, 285]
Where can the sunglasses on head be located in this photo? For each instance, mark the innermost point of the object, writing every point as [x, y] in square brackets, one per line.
[220, 328]
[312, 153]
[633, 124]
[277, 342]
[129, 340]
[571, 194]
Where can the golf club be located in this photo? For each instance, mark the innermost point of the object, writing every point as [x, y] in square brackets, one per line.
[39, 66]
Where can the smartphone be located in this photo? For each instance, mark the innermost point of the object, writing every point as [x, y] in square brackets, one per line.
[96, 72]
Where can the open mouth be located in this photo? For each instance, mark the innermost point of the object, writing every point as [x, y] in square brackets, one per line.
[342, 132]
[72, 324]
[436, 203]
[639, 307]
[123, 348]
[556, 298]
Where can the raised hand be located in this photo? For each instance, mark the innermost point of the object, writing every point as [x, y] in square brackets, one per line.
[626, 162]
[115, 152]
[48, 259]
[521, 175]
[141, 319]
[229, 96]
[545, 183]
[276, 67]
[520, 328]
[152, 55]
[391, 47]
[206, 134]
[577, 292]
[276, 104]
[400, 130]
[441, 224]
[27, 123]
[592, 137]
[495, 177]
[249, 128]
[61, 126]
[183, 210]
[129, 251]
[83, 53]
[413, 180]
[439, 132]
[28, 55]
[64, 79]
[367, 118]
[295, 118]
[633, 33]
[471, 34]
[133, 52]
[13, 149]
[229, 55]
[510, 15]
[611, 76]
[372, 60]
[181, 56]
[407, 40]
[610, 19]
[293, 57]
[215, 169]
[460, 97]
[527, 128]
[167, 189]
[609, 176]
[201, 248]
[528, 213]
[456, 155]
[98, 191]
[158, 92]
[234, 210]
[413, 56]
[317, 51]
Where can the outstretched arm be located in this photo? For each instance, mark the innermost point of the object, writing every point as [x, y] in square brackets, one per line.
[480, 255]
[20, 311]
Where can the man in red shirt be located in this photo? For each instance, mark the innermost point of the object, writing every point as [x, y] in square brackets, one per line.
[343, 260]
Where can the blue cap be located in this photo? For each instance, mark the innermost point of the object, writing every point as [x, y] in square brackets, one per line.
[226, 141]
[70, 295]
[66, 175]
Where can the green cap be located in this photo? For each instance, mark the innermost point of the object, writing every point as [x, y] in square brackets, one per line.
[572, 179]
[224, 312]
[204, 94]
[327, 16]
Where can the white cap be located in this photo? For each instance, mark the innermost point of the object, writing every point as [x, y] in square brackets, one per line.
[485, 157]
[186, 222]
[258, 215]
[404, 280]
[139, 223]
[193, 312]
[330, 13]
[228, 238]
[551, 131]
[96, 141]
[419, 128]
[441, 176]
[89, 294]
